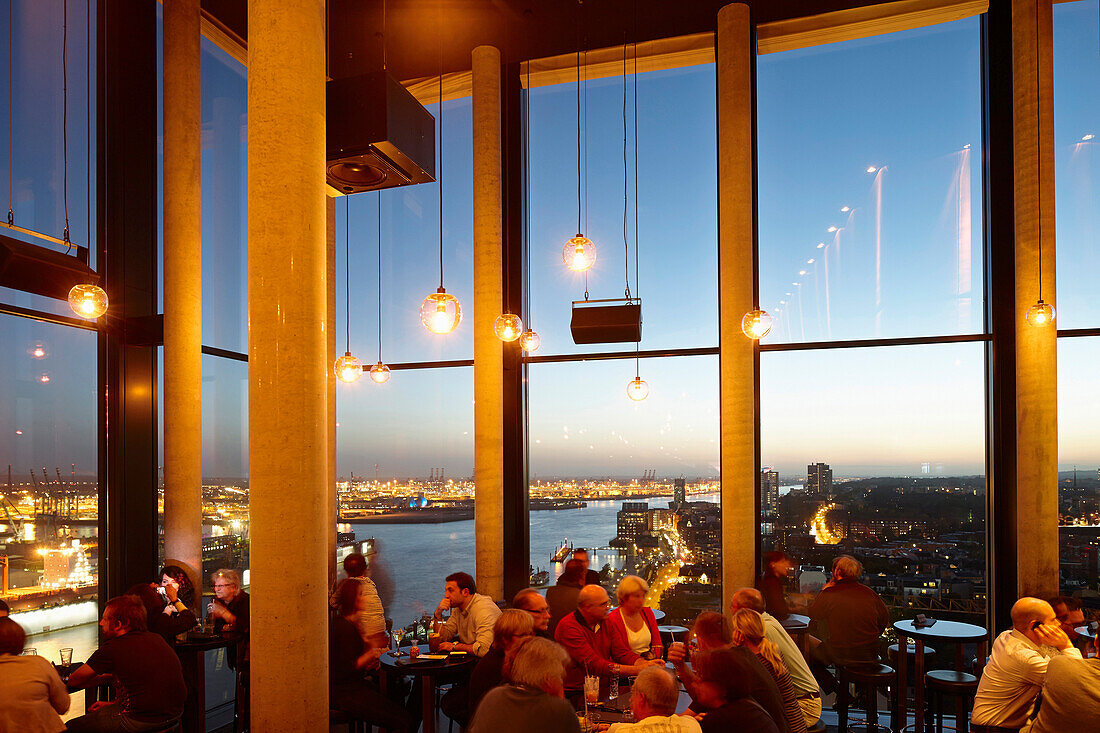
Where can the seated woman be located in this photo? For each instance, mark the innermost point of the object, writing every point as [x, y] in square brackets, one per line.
[534, 701]
[722, 686]
[173, 578]
[748, 632]
[168, 621]
[349, 658]
[562, 597]
[512, 629]
[31, 694]
[634, 621]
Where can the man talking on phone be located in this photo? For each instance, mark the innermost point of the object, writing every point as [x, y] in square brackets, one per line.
[1017, 666]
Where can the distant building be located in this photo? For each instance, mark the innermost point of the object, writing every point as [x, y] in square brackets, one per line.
[819, 480]
[769, 492]
[679, 491]
[632, 522]
[661, 519]
[701, 529]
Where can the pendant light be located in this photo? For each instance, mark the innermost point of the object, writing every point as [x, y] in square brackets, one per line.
[1041, 313]
[637, 389]
[756, 324]
[440, 311]
[529, 341]
[87, 300]
[379, 373]
[579, 253]
[347, 368]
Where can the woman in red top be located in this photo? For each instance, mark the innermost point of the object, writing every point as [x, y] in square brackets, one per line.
[634, 621]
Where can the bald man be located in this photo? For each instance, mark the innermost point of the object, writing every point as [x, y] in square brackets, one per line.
[1017, 665]
[592, 645]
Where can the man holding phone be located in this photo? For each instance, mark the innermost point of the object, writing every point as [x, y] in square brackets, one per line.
[1017, 667]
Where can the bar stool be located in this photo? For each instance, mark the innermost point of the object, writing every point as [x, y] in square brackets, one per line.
[911, 653]
[941, 683]
[866, 676]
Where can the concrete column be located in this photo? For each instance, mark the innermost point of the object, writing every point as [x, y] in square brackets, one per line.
[182, 399]
[737, 370]
[1036, 346]
[288, 393]
[488, 349]
[330, 325]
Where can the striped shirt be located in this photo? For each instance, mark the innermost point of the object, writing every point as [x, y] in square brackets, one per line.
[796, 722]
[372, 617]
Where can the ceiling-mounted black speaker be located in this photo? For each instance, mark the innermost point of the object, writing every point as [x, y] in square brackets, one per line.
[606, 324]
[378, 135]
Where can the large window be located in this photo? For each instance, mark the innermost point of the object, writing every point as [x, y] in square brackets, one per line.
[870, 228]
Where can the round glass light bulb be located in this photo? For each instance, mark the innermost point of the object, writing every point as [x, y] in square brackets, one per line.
[348, 368]
[1040, 314]
[529, 341]
[637, 389]
[379, 373]
[756, 324]
[88, 301]
[440, 312]
[508, 327]
[579, 253]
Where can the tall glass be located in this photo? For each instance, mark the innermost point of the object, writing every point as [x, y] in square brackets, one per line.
[591, 689]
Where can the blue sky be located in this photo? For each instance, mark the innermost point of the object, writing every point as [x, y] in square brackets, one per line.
[905, 261]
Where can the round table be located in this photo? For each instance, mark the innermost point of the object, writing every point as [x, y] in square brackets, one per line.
[658, 614]
[427, 671]
[955, 632]
[670, 634]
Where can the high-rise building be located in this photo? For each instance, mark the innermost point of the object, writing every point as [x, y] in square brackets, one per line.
[632, 521]
[679, 491]
[819, 480]
[769, 492]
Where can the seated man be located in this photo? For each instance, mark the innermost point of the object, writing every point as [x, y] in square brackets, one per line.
[531, 601]
[1068, 611]
[533, 700]
[472, 617]
[653, 702]
[854, 617]
[371, 619]
[1017, 665]
[712, 631]
[593, 645]
[146, 674]
[809, 695]
[1071, 696]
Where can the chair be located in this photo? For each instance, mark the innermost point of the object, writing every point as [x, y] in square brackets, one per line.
[867, 677]
[941, 683]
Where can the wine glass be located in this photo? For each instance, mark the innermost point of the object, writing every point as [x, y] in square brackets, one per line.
[398, 635]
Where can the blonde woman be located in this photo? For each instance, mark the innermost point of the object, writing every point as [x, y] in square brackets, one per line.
[511, 630]
[748, 631]
[634, 621]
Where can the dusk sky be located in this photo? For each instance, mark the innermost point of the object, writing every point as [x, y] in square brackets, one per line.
[905, 260]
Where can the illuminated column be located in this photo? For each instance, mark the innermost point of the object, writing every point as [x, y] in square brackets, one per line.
[488, 349]
[288, 411]
[737, 360]
[182, 399]
[1036, 346]
[330, 338]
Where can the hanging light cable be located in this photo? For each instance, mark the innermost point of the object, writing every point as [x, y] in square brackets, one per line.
[379, 373]
[579, 253]
[86, 299]
[347, 368]
[440, 311]
[11, 116]
[1041, 313]
[637, 389]
[529, 341]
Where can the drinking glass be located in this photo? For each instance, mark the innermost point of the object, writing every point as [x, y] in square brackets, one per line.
[30, 652]
[66, 656]
[591, 689]
[398, 635]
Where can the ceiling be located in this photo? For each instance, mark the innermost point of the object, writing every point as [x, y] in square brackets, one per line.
[423, 35]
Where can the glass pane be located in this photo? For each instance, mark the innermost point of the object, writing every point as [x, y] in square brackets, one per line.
[49, 519]
[677, 216]
[405, 455]
[870, 186]
[1078, 462]
[410, 256]
[1077, 161]
[224, 467]
[224, 201]
[594, 453]
[900, 433]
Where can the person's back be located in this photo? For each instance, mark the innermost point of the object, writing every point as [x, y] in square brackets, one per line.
[855, 617]
[31, 695]
[511, 706]
[148, 675]
[1071, 696]
[562, 600]
[744, 716]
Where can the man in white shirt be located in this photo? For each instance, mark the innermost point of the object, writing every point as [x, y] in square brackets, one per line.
[472, 617]
[1017, 666]
[805, 684]
[653, 703]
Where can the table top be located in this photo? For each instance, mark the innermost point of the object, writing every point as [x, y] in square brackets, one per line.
[402, 665]
[795, 621]
[944, 630]
[658, 614]
[672, 629]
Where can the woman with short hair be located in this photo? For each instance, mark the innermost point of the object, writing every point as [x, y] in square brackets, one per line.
[32, 696]
[512, 628]
[634, 621]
